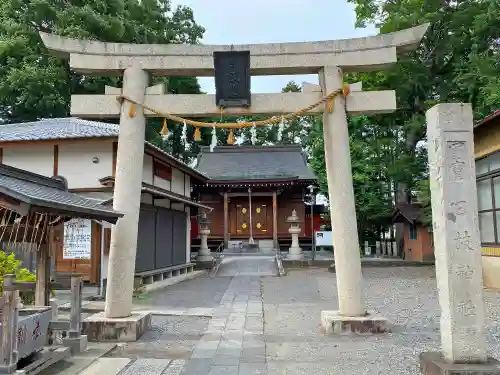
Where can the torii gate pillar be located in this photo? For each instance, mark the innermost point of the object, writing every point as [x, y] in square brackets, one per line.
[352, 314]
[127, 196]
[341, 199]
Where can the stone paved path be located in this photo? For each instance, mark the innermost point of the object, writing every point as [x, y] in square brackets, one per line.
[265, 325]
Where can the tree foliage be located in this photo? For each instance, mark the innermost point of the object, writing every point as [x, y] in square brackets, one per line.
[34, 85]
[370, 156]
[10, 265]
[456, 62]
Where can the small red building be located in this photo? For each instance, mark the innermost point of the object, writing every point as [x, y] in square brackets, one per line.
[418, 242]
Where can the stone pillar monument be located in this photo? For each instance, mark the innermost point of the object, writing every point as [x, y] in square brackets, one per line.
[294, 252]
[457, 245]
[368, 250]
[378, 249]
[394, 249]
[204, 254]
[127, 197]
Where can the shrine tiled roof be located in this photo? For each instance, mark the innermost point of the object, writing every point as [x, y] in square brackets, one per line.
[51, 195]
[245, 163]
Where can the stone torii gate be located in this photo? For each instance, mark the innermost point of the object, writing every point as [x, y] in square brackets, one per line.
[137, 62]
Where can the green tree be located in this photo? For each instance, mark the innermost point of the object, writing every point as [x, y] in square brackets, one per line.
[293, 131]
[372, 191]
[423, 197]
[35, 85]
[296, 130]
[457, 62]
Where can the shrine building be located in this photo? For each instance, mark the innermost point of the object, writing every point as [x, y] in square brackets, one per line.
[252, 190]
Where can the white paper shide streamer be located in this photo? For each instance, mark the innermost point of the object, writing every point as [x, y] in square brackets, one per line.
[281, 127]
[213, 144]
[184, 136]
[253, 132]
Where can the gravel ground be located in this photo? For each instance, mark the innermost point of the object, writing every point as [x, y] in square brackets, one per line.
[271, 325]
[407, 296]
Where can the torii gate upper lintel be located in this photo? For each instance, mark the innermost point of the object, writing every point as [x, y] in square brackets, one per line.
[357, 55]
[329, 59]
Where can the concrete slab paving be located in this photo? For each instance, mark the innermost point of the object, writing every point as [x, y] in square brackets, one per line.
[108, 366]
[78, 363]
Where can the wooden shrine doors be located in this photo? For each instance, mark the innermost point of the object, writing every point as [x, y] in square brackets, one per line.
[239, 218]
[260, 220]
[242, 220]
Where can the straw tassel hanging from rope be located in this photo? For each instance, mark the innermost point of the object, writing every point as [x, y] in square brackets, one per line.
[346, 90]
[131, 111]
[164, 130]
[330, 105]
[230, 137]
[197, 135]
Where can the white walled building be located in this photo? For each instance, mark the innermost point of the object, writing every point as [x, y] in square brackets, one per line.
[84, 152]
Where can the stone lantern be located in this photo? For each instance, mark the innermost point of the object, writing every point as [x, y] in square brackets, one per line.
[204, 254]
[295, 252]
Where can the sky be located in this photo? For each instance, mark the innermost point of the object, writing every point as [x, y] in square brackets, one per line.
[273, 21]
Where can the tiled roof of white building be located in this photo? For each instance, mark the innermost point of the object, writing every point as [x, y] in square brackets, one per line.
[67, 128]
[57, 128]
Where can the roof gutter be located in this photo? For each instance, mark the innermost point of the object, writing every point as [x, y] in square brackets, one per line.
[487, 119]
[167, 195]
[61, 208]
[151, 189]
